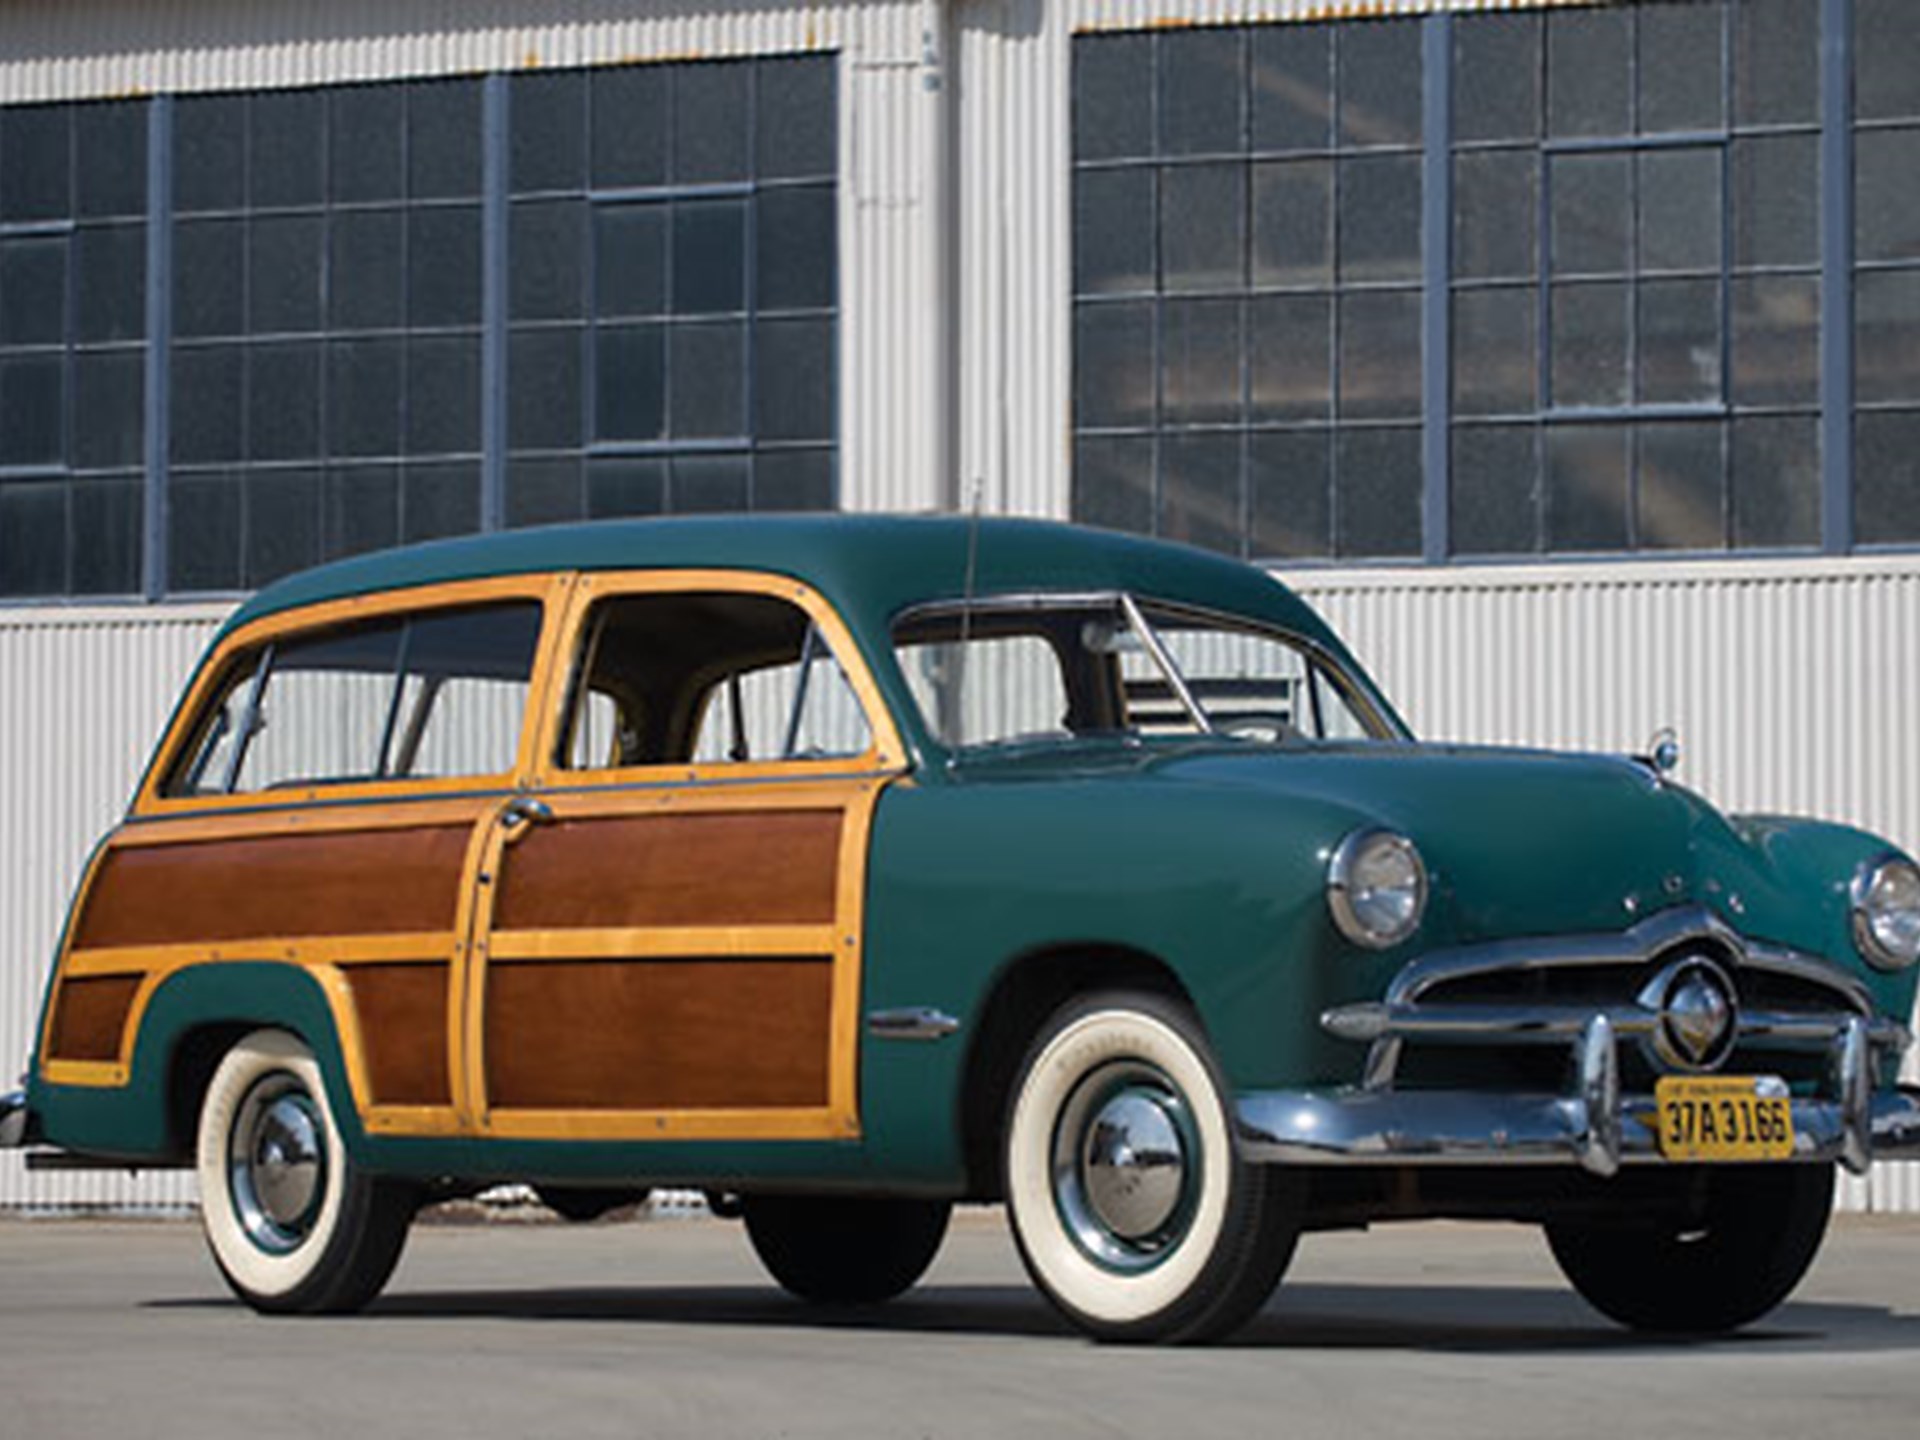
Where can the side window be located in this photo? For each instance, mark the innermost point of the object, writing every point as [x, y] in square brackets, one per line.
[709, 679]
[439, 694]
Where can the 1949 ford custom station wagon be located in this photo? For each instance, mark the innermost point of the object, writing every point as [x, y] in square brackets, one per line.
[847, 868]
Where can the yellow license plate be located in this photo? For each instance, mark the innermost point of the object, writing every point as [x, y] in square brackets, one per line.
[1724, 1117]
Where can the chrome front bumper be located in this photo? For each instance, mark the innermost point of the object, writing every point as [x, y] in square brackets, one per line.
[13, 1120]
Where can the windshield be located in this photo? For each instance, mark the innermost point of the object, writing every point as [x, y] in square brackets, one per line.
[1002, 672]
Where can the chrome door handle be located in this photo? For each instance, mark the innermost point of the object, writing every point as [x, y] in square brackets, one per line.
[524, 809]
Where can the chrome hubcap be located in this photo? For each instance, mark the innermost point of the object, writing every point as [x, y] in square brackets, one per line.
[277, 1164]
[1125, 1166]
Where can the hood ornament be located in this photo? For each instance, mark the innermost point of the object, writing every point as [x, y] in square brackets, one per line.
[1663, 751]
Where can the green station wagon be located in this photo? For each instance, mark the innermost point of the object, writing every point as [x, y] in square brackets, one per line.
[850, 868]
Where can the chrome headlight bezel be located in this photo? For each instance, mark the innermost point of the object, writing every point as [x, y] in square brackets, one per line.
[1870, 909]
[1355, 900]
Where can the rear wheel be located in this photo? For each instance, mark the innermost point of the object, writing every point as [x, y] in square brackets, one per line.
[839, 1250]
[1131, 1208]
[294, 1225]
[1733, 1250]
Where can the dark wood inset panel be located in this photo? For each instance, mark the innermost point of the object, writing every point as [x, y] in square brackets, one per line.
[768, 867]
[403, 1023]
[91, 1016]
[659, 1034]
[369, 882]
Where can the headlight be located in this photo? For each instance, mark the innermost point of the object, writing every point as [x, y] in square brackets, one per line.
[1886, 912]
[1376, 888]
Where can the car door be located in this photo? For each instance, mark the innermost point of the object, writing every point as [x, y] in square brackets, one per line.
[668, 930]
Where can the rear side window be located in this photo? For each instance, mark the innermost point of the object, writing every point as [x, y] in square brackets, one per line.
[424, 696]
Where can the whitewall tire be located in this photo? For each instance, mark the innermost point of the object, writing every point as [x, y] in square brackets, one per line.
[294, 1225]
[1131, 1208]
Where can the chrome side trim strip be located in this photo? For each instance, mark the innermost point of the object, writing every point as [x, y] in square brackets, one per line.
[918, 1022]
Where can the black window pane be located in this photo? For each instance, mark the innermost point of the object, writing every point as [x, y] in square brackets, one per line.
[1380, 218]
[1113, 370]
[709, 257]
[1887, 218]
[1203, 227]
[33, 291]
[366, 135]
[1113, 231]
[547, 132]
[1586, 509]
[1496, 77]
[1292, 73]
[439, 500]
[1682, 489]
[1110, 75]
[1290, 494]
[1494, 505]
[1113, 483]
[1380, 83]
[283, 273]
[626, 486]
[1886, 503]
[282, 525]
[362, 509]
[1776, 482]
[203, 532]
[1202, 92]
[546, 249]
[1200, 490]
[1681, 214]
[543, 389]
[1680, 67]
[1495, 354]
[1776, 340]
[443, 396]
[32, 392]
[110, 283]
[630, 382]
[363, 397]
[793, 379]
[443, 266]
[284, 147]
[1776, 61]
[1886, 82]
[283, 401]
[707, 393]
[1292, 224]
[794, 115]
[206, 410]
[1887, 317]
[793, 480]
[109, 409]
[541, 492]
[107, 536]
[1290, 357]
[110, 157]
[1588, 81]
[365, 278]
[1376, 477]
[630, 260]
[1776, 200]
[702, 484]
[33, 538]
[1496, 215]
[1592, 214]
[1379, 352]
[629, 118]
[710, 122]
[443, 138]
[209, 261]
[1678, 333]
[209, 153]
[1590, 352]
[1200, 361]
[795, 248]
[36, 167]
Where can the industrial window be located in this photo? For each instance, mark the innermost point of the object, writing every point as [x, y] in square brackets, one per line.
[73, 264]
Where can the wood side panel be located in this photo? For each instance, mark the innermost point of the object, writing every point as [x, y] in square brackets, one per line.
[91, 1017]
[762, 867]
[357, 883]
[403, 1025]
[659, 1034]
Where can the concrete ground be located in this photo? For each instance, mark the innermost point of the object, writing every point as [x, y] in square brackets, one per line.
[668, 1329]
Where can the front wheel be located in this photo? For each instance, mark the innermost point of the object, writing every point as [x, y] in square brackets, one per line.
[1132, 1210]
[845, 1250]
[1728, 1253]
[294, 1225]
